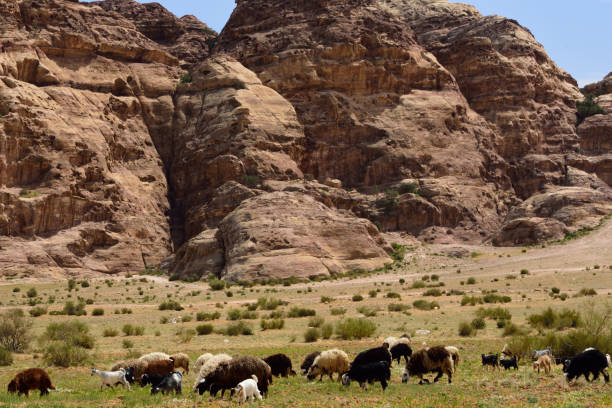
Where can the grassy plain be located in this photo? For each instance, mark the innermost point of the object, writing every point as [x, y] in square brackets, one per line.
[582, 263]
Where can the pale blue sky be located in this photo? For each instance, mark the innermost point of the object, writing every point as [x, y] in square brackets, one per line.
[576, 33]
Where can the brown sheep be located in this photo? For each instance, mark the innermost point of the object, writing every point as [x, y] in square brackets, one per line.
[544, 363]
[138, 365]
[155, 356]
[181, 360]
[160, 367]
[31, 379]
[433, 359]
[229, 374]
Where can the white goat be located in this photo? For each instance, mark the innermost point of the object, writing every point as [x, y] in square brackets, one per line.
[247, 389]
[111, 378]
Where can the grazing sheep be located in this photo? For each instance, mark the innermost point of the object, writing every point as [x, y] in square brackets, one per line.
[509, 363]
[181, 360]
[310, 358]
[329, 362]
[200, 361]
[588, 362]
[372, 355]
[156, 356]
[400, 350]
[280, 364]
[31, 379]
[172, 382]
[208, 367]
[392, 341]
[368, 373]
[490, 360]
[160, 367]
[428, 360]
[229, 374]
[247, 389]
[454, 352]
[111, 378]
[138, 366]
[544, 363]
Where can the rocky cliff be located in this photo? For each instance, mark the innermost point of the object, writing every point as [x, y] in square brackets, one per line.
[287, 145]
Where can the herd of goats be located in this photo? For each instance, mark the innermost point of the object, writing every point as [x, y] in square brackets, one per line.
[249, 377]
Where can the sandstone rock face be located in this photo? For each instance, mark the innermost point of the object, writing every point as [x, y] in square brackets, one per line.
[131, 138]
[186, 38]
[83, 187]
[503, 72]
[376, 107]
[273, 233]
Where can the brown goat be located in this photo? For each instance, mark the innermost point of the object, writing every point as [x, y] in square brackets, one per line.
[160, 367]
[31, 379]
[433, 359]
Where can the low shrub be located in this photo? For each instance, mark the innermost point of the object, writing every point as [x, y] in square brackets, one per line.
[110, 332]
[466, 329]
[300, 312]
[204, 329]
[479, 323]
[337, 311]
[471, 281]
[348, 329]
[372, 293]
[311, 335]
[418, 285]
[422, 304]
[185, 335]
[238, 328]
[586, 292]
[471, 300]
[270, 303]
[65, 344]
[38, 311]
[97, 312]
[326, 299]
[273, 324]
[357, 298]
[495, 298]
[393, 295]
[316, 321]
[366, 311]
[216, 284]
[6, 357]
[511, 329]
[71, 309]
[170, 305]
[127, 344]
[32, 293]
[432, 292]
[495, 313]
[327, 330]
[549, 319]
[204, 317]
[397, 307]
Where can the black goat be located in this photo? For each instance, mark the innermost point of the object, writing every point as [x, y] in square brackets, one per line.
[170, 382]
[588, 362]
[368, 373]
[490, 360]
[153, 379]
[280, 365]
[373, 355]
[400, 350]
[509, 363]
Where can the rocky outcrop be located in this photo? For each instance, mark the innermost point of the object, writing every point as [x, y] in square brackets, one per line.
[376, 107]
[290, 145]
[290, 234]
[83, 187]
[503, 72]
[187, 38]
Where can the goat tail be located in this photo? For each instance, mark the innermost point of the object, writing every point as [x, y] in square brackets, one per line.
[254, 377]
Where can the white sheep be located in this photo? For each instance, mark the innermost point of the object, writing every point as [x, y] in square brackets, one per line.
[392, 341]
[200, 361]
[209, 366]
[454, 352]
[328, 363]
[248, 389]
[111, 378]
